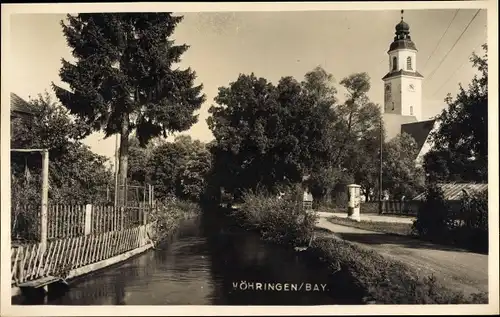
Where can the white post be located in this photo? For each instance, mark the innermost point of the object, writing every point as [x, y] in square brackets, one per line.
[45, 200]
[354, 202]
[88, 219]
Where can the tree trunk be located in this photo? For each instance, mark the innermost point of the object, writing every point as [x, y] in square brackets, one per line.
[123, 165]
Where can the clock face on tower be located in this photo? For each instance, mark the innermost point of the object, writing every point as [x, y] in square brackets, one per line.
[411, 87]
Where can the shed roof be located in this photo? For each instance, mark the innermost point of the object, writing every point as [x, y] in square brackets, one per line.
[454, 191]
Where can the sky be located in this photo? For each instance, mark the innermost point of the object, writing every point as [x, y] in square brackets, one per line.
[273, 45]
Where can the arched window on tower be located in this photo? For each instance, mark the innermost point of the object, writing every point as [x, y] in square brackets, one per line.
[411, 110]
[394, 63]
[393, 106]
[408, 63]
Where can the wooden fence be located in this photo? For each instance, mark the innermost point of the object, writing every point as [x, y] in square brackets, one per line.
[31, 262]
[400, 207]
[66, 221]
[391, 207]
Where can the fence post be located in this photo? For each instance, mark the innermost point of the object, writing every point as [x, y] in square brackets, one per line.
[122, 217]
[45, 200]
[88, 219]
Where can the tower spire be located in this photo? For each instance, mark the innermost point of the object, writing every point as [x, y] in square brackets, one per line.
[402, 29]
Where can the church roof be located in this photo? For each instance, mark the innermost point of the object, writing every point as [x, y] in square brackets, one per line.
[419, 131]
[402, 44]
[402, 73]
[393, 123]
[402, 40]
[402, 26]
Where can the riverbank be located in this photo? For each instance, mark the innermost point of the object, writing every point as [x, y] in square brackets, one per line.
[384, 280]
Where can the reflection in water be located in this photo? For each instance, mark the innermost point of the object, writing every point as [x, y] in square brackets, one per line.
[199, 266]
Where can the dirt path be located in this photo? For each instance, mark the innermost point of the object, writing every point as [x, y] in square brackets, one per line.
[455, 268]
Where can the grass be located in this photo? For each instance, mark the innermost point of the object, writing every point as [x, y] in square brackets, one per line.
[403, 229]
[387, 281]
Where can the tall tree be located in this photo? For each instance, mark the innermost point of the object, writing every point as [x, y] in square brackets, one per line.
[266, 135]
[363, 161]
[356, 115]
[401, 176]
[460, 151]
[355, 135]
[165, 165]
[193, 174]
[124, 78]
[319, 86]
[179, 168]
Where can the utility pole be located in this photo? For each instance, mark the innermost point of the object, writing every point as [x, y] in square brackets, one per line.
[381, 202]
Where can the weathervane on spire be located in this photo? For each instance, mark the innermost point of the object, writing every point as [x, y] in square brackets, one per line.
[402, 11]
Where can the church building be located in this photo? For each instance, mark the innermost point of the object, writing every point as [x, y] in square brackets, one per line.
[403, 92]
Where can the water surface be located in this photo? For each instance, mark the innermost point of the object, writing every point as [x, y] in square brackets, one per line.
[201, 264]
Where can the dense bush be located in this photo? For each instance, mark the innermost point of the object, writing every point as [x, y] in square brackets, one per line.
[463, 223]
[433, 214]
[167, 214]
[472, 231]
[282, 219]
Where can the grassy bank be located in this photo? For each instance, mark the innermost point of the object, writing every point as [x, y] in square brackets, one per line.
[168, 215]
[387, 281]
[403, 229]
[383, 281]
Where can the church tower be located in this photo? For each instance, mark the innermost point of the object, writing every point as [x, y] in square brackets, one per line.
[403, 83]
